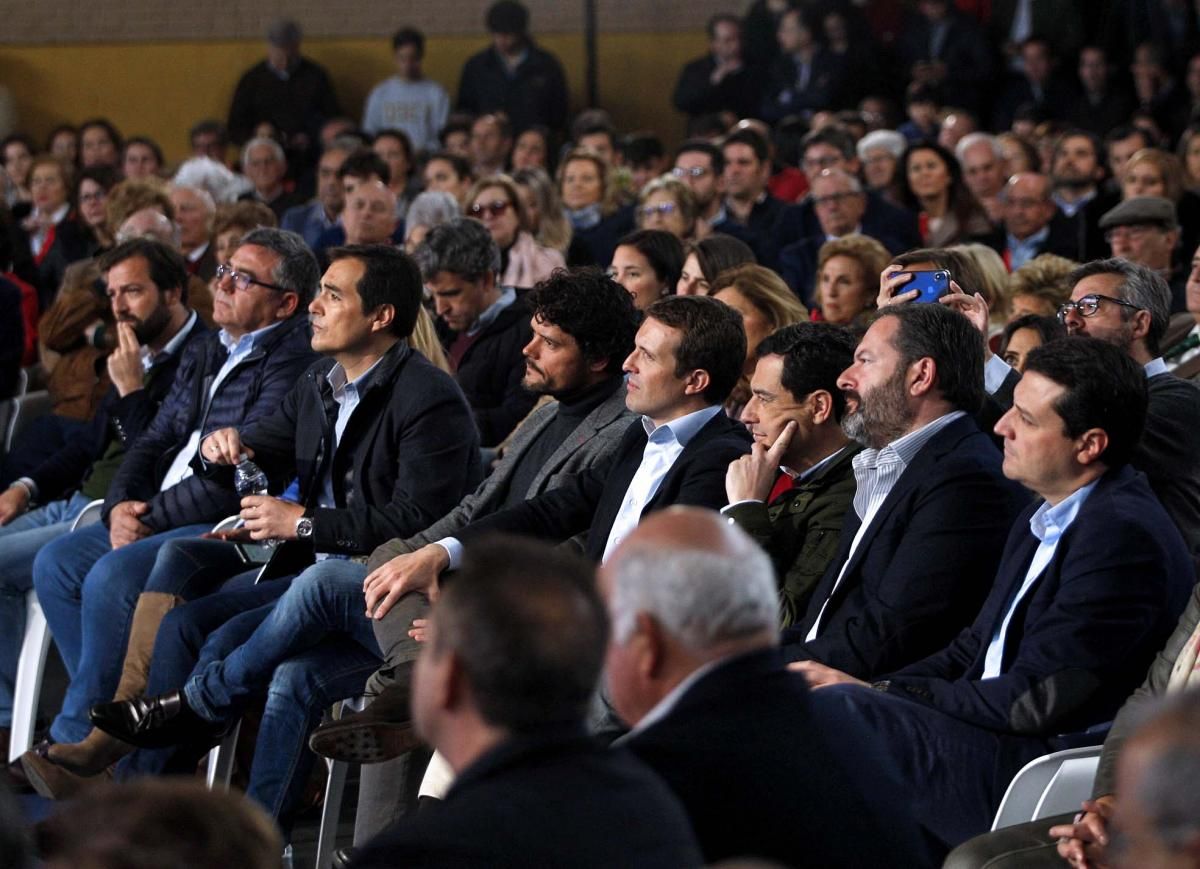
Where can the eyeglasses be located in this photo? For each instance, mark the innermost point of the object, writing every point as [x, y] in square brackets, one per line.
[663, 209]
[242, 281]
[1089, 305]
[495, 208]
[99, 196]
[1130, 233]
[817, 163]
[834, 197]
[692, 172]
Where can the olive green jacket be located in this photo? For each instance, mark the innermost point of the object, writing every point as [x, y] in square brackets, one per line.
[800, 530]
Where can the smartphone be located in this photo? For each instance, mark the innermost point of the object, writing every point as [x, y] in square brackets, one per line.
[933, 285]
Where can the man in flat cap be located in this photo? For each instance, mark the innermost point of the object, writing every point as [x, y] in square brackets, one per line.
[1145, 230]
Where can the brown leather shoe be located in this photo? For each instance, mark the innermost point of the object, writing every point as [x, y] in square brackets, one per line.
[53, 781]
[380, 732]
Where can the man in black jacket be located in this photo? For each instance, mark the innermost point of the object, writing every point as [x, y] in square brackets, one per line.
[147, 285]
[721, 81]
[482, 324]
[381, 444]
[88, 581]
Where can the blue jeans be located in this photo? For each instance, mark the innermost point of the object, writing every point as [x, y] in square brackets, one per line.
[192, 567]
[955, 772]
[88, 591]
[20, 541]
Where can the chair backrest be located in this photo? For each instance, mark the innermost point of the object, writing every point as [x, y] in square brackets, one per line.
[28, 407]
[227, 524]
[8, 409]
[1049, 785]
[90, 515]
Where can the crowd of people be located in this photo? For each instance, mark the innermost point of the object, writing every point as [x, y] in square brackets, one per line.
[857, 450]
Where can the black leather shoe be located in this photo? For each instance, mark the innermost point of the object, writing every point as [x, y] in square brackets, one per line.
[155, 722]
[380, 732]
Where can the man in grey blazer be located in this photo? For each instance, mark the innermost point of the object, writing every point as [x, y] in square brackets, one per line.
[583, 327]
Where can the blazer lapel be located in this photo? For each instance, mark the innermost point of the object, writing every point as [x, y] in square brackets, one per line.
[715, 427]
[605, 413]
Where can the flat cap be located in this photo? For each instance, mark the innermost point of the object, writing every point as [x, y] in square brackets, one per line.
[1141, 210]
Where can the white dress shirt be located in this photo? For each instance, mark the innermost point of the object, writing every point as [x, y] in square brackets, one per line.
[877, 472]
[1047, 524]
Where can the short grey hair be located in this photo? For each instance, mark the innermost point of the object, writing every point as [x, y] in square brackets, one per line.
[840, 175]
[972, 139]
[1166, 792]
[207, 174]
[297, 269]
[205, 197]
[1141, 286]
[432, 208]
[889, 140]
[701, 598]
[462, 247]
[263, 142]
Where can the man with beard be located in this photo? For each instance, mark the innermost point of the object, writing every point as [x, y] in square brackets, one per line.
[1077, 171]
[932, 510]
[147, 286]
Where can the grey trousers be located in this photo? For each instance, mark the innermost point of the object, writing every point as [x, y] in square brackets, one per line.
[1023, 846]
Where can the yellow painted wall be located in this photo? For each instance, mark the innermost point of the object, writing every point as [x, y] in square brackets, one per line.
[160, 90]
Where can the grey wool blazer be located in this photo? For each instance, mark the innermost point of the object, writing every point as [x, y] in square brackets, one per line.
[594, 438]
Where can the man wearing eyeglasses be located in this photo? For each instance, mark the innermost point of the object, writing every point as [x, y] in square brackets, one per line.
[88, 581]
[1128, 305]
[1145, 230]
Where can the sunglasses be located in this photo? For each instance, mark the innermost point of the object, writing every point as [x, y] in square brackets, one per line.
[495, 208]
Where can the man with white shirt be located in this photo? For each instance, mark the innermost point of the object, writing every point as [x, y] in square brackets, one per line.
[792, 491]
[1128, 305]
[694, 658]
[88, 581]
[1092, 580]
[918, 553]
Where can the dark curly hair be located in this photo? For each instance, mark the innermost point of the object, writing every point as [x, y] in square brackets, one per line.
[593, 309]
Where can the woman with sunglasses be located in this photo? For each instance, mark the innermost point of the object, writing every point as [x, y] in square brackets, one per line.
[495, 202]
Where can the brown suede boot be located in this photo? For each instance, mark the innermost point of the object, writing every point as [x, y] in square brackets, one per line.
[98, 750]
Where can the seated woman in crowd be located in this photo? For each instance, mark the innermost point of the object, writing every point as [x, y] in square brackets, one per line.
[1025, 333]
[52, 231]
[91, 192]
[766, 303]
[16, 152]
[1040, 286]
[667, 203]
[880, 152]
[395, 149]
[531, 150]
[100, 143]
[707, 258]
[496, 202]
[647, 263]
[588, 197]
[63, 143]
[431, 208]
[545, 218]
[1154, 172]
[933, 188]
[846, 270]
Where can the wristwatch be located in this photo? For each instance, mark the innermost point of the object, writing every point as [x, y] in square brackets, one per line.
[304, 528]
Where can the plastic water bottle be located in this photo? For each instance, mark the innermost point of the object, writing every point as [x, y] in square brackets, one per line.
[250, 479]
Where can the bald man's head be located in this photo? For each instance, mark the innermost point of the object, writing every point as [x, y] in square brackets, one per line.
[149, 222]
[369, 216]
[1028, 208]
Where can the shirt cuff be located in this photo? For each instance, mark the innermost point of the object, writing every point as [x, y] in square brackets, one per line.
[725, 510]
[994, 372]
[454, 551]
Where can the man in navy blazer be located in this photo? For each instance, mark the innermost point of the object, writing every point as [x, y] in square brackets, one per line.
[683, 366]
[694, 666]
[1093, 578]
[919, 547]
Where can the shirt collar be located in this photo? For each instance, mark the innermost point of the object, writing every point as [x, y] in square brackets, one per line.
[681, 429]
[150, 358]
[247, 341]
[1155, 367]
[663, 707]
[342, 387]
[801, 476]
[507, 296]
[1037, 238]
[1049, 522]
[195, 255]
[906, 448]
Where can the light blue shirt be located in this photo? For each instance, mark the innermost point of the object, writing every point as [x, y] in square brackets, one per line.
[996, 369]
[664, 444]
[1021, 251]
[239, 349]
[347, 394]
[1047, 524]
[507, 296]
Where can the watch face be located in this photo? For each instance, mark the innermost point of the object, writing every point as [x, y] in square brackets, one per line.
[304, 528]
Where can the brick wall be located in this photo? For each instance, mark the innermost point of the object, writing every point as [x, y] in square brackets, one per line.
[67, 21]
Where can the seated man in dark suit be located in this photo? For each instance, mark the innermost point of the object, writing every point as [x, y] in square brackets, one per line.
[1092, 579]
[1129, 305]
[482, 324]
[918, 554]
[1033, 224]
[532, 788]
[792, 492]
[840, 205]
[694, 666]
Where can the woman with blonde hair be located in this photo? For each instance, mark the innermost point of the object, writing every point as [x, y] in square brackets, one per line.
[846, 276]
[994, 284]
[766, 303]
[425, 341]
[1154, 172]
[668, 204]
[589, 199]
[1040, 286]
[544, 217]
